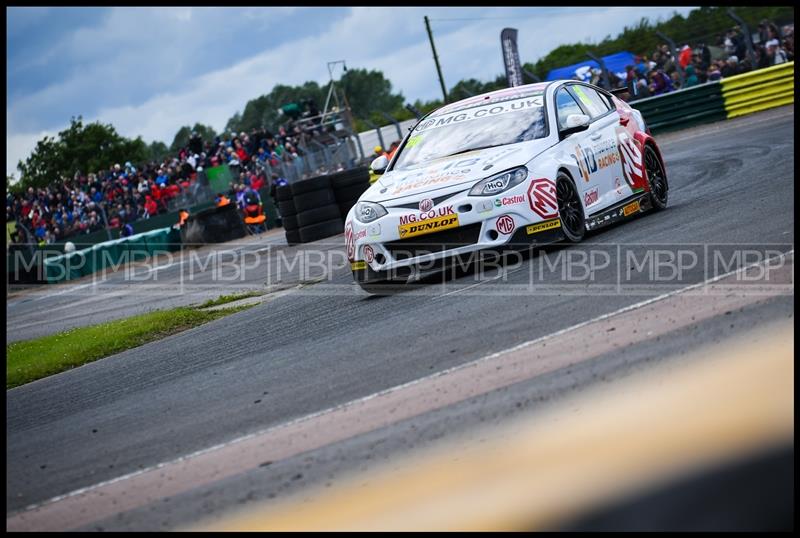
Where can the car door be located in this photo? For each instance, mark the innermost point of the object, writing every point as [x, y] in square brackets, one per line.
[576, 145]
[605, 185]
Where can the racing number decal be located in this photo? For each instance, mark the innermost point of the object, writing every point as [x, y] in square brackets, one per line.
[542, 197]
[631, 156]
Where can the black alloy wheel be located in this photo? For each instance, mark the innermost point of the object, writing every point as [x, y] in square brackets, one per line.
[659, 189]
[573, 222]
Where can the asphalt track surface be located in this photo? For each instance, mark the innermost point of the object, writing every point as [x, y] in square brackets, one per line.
[731, 183]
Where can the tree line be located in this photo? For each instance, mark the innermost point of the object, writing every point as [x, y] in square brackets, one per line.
[96, 146]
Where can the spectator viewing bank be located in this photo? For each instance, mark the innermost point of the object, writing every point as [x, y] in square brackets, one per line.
[90, 178]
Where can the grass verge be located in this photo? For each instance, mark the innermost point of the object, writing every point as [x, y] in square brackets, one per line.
[224, 299]
[30, 360]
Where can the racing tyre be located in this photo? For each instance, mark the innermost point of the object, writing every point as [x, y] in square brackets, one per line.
[570, 210]
[292, 237]
[344, 207]
[286, 208]
[283, 193]
[347, 178]
[290, 223]
[351, 192]
[313, 200]
[656, 178]
[317, 215]
[311, 184]
[321, 230]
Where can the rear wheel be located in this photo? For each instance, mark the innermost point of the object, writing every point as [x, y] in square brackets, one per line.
[659, 189]
[573, 222]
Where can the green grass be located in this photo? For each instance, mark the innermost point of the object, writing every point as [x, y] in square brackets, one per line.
[224, 299]
[30, 360]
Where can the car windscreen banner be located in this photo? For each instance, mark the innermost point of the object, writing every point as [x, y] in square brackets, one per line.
[527, 103]
[508, 40]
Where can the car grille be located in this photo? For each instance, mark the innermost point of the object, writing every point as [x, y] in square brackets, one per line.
[435, 242]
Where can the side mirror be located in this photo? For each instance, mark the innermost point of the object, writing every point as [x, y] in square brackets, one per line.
[379, 165]
[575, 123]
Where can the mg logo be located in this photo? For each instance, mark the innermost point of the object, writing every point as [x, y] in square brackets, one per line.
[542, 198]
[505, 225]
[426, 205]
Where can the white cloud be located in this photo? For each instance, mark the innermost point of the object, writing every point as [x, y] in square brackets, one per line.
[364, 38]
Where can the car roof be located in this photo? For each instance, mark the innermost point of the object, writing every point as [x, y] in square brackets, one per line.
[495, 96]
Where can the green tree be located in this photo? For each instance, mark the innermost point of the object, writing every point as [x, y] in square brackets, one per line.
[157, 151]
[181, 138]
[78, 148]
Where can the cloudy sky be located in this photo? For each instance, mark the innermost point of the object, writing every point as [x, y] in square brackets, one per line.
[148, 71]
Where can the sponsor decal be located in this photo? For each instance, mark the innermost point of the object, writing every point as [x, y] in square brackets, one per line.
[490, 109]
[509, 200]
[358, 266]
[437, 224]
[631, 208]
[631, 157]
[542, 198]
[591, 159]
[543, 226]
[454, 175]
[426, 205]
[349, 241]
[505, 225]
[618, 185]
[591, 197]
[431, 214]
[369, 254]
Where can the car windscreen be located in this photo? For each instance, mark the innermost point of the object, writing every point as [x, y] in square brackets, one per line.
[495, 124]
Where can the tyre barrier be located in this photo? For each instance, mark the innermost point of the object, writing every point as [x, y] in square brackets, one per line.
[719, 100]
[214, 225]
[348, 186]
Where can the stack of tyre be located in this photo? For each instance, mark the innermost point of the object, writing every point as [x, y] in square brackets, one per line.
[288, 214]
[317, 214]
[348, 186]
[313, 209]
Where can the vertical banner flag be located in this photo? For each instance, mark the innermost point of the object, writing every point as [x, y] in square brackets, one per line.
[508, 40]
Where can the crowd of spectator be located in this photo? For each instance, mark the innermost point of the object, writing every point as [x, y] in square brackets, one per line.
[658, 73]
[126, 193]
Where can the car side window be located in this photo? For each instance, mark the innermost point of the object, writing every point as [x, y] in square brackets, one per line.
[596, 104]
[565, 105]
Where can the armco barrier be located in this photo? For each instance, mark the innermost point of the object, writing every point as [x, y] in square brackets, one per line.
[683, 108]
[713, 101]
[759, 90]
[111, 254]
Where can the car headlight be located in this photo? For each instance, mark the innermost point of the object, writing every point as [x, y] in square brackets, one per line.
[499, 182]
[368, 211]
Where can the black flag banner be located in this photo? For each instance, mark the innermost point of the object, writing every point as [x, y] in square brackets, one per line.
[508, 40]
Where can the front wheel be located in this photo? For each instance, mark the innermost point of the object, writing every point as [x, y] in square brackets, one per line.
[657, 179]
[573, 222]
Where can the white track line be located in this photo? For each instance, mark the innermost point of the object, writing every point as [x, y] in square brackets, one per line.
[410, 383]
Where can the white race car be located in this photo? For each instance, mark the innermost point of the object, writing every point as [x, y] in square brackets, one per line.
[525, 165]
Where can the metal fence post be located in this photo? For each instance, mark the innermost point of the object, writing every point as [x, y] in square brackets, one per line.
[414, 111]
[602, 63]
[748, 38]
[676, 56]
[395, 122]
[378, 130]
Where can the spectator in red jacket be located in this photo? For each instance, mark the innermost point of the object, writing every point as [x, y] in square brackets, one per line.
[150, 206]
